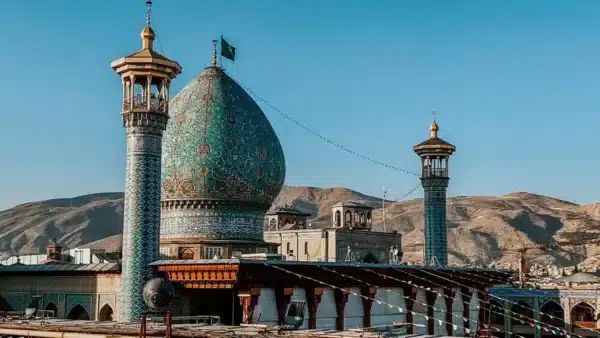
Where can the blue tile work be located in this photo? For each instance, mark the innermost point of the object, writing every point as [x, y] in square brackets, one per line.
[218, 148]
[436, 243]
[141, 216]
[225, 223]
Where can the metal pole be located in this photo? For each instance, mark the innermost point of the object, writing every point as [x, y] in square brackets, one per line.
[143, 326]
[168, 322]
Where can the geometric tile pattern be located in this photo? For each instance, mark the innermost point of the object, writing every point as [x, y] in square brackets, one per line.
[218, 146]
[436, 242]
[141, 222]
[224, 223]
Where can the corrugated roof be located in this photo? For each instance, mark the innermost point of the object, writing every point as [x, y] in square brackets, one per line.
[98, 267]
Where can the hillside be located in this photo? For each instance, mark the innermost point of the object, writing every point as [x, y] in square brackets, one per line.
[479, 227]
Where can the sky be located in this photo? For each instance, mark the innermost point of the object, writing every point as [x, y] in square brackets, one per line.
[515, 85]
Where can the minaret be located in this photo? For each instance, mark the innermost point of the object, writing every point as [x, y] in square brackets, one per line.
[435, 154]
[146, 77]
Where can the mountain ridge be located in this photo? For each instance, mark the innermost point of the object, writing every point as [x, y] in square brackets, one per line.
[481, 229]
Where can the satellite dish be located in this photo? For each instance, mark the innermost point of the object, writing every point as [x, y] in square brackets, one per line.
[158, 293]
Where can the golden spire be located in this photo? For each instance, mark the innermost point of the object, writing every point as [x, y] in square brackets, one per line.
[433, 128]
[147, 33]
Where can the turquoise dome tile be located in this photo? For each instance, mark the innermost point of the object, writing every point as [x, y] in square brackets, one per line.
[219, 145]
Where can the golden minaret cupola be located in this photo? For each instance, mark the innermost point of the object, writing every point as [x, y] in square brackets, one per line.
[146, 75]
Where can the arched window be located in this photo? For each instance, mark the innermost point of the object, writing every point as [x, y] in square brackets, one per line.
[287, 248]
[51, 307]
[338, 219]
[348, 218]
[78, 312]
[272, 224]
[583, 315]
[521, 312]
[496, 313]
[106, 314]
[369, 218]
[363, 220]
[553, 314]
[356, 218]
[306, 248]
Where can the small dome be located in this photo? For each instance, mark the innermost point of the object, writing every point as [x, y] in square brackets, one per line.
[220, 146]
[148, 33]
[434, 127]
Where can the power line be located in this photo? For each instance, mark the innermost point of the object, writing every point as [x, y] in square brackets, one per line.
[429, 289]
[504, 299]
[319, 135]
[400, 309]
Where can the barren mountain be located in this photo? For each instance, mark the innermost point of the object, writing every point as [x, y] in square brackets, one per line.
[481, 229]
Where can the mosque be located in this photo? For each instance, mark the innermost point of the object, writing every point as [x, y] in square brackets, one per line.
[202, 170]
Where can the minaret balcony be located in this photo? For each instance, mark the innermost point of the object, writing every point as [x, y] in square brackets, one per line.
[435, 172]
[141, 103]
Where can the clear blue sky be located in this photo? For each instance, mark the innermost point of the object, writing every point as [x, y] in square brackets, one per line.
[515, 83]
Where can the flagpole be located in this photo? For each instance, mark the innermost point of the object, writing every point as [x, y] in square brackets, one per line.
[221, 53]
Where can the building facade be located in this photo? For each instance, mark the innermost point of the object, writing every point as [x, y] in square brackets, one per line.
[71, 291]
[348, 238]
[551, 310]
[435, 155]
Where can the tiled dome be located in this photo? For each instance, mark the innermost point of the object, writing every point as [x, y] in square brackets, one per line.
[219, 148]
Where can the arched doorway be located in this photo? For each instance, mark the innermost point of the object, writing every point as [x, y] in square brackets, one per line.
[52, 307]
[522, 313]
[348, 218]
[338, 219]
[496, 313]
[552, 315]
[583, 315]
[106, 314]
[78, 312]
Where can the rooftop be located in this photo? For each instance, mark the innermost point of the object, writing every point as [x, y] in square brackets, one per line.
[51, 268]
[355, 204]
[51, 328]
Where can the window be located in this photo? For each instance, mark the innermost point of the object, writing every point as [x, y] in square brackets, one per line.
[186, 253]
[164, 253]
[287, 246]
[211, 251]
[306, 248]
[261, 250]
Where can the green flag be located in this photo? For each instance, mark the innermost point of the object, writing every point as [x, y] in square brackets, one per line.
[227, 50]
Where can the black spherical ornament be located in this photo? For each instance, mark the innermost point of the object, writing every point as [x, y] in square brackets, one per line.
[158, 293]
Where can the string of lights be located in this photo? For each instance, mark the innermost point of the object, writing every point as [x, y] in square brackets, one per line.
[399, 308]
[539, 322]
[398, 294]
[319, 135]
[411, 283]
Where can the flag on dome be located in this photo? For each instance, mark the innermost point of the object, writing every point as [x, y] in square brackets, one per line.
[227, 50]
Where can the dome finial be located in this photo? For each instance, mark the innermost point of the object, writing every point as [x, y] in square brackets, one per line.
[433, 128]
[214, 53]
[147, 33]
[148, 11]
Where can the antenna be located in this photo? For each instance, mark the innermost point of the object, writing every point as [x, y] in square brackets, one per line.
[383, 203]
